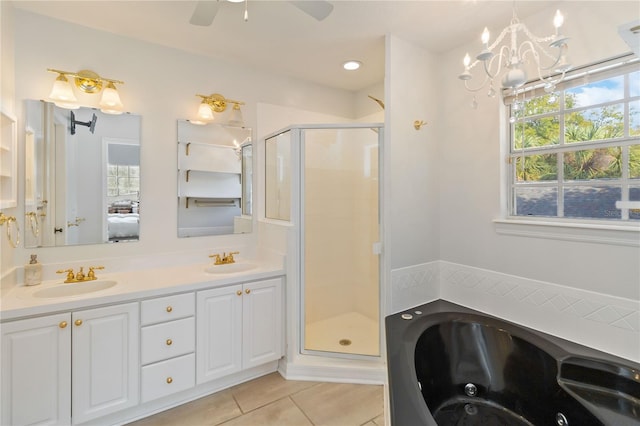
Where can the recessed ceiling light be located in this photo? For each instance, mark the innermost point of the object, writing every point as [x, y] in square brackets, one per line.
[351, 65]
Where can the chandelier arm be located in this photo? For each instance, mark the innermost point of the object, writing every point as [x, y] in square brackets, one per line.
[477, 89]
[536, 56]
[487, 65]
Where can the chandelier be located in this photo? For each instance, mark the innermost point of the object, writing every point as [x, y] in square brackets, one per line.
[507, 60]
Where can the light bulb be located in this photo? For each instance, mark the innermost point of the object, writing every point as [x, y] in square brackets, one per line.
[558, 19]
[485, 36]
[467, 60]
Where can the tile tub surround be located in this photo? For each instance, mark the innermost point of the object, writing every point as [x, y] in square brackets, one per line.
[607, 323]
[272, 400]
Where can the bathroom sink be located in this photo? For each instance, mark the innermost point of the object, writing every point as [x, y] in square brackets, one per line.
[229, 268]
[74, 289]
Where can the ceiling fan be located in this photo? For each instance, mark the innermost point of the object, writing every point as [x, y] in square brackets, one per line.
[206, 10]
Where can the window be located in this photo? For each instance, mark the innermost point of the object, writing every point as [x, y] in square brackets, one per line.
[122, 180]
[574, 152]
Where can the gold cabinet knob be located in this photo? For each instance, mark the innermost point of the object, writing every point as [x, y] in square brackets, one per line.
[169, 309]
[63, 324]
[169, 342]
[169, 380]
[248, 291]
[78, 322]
[239, 292]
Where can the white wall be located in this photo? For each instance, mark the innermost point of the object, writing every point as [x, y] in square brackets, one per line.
[7, 103]
[470, 162]
[412, 93]
[160, 85]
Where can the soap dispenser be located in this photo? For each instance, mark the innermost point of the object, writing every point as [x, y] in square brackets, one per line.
[33, 271]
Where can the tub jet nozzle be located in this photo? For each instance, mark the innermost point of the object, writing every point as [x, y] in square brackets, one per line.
[470, 389]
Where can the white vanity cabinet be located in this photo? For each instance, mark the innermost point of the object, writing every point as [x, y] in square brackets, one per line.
[238, 327]
[105, 350]
[87, 360]
[36, 371]
[168, 345]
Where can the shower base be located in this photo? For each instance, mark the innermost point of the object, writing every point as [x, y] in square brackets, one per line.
[334, 334]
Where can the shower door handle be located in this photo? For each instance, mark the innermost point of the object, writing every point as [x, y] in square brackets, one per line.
[377, 248]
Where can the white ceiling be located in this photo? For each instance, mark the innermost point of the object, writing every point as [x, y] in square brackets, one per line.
[282, 39]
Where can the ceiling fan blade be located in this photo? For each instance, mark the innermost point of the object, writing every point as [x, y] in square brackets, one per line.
[205, 12]
[319, 9]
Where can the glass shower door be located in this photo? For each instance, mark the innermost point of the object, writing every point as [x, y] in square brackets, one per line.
[340, 218]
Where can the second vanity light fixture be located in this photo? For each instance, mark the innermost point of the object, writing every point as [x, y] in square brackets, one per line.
[218, 103]
[509, 58]
[88, 82]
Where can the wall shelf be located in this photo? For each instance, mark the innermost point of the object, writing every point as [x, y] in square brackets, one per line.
[8, 161]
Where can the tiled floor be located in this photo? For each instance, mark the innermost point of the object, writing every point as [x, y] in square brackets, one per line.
[274, 401]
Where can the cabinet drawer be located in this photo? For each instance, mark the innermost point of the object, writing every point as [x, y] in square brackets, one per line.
[167, 308]
[168, 340]
[167, 377]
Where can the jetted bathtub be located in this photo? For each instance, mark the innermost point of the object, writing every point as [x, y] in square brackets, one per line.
[449, 365]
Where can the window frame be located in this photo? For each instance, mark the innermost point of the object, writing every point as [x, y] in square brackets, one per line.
[619, 230]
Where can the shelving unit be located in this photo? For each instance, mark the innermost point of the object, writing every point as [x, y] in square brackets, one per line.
[8, 161]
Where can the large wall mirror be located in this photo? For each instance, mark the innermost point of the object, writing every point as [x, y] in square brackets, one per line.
[215, 171]
[82, 176]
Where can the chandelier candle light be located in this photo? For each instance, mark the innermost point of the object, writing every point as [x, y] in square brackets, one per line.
[508, 60]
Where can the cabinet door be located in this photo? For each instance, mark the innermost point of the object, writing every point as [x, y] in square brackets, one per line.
[262, 322]
[105, 367]
[219, 333]
[36, 371]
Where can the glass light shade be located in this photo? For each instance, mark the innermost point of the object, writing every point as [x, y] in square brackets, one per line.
[204, 113]
[110, 102]
[235, 118]
[62, 93]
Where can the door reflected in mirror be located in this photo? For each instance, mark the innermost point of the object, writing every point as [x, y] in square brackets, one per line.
[215, 170]
[82, 176]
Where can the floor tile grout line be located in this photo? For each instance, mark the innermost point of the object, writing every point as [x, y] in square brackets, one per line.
[301, 410]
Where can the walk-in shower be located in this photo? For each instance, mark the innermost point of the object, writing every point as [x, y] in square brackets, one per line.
[334, 192]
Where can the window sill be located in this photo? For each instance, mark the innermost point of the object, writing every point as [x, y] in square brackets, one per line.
[623, 235]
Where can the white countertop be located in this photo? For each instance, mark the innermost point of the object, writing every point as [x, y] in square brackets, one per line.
[131, 286]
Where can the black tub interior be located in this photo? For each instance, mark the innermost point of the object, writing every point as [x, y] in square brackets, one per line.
[516, 382]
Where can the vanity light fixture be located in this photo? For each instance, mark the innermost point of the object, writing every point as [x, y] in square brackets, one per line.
[218, 103]
[88, 82]
[508, 59]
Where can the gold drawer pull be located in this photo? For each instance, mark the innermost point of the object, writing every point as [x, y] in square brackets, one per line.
[78, 322]
[169, 342]
[248, 291]
[63, 324]
[239, 292]
[169, 380]
[169, 309]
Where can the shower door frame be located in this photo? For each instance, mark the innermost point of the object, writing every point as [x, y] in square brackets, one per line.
[299, 170]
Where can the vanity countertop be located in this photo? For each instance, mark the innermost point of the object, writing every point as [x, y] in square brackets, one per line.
[20, 302]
